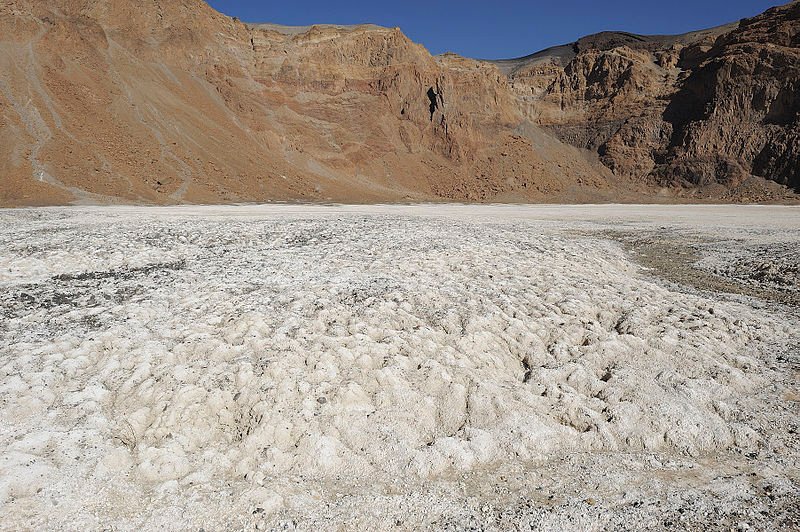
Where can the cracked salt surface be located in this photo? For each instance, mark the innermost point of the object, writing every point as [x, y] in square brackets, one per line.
[299, 367]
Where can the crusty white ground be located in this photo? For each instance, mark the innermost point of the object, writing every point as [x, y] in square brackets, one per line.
[368, 367]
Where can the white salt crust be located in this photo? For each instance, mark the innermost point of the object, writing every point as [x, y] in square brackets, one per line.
[188, 368]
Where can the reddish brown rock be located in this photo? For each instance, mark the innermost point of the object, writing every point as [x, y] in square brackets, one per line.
[170, 102]
[711, 107]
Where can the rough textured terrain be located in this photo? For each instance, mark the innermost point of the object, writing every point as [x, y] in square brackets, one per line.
[108, 101]
[441, 367]
[705, 111]
[172, 102]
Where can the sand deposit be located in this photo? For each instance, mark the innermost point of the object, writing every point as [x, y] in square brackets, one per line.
[372, 367]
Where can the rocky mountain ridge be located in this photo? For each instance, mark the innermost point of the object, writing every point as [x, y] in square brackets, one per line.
[103, 101]
[705, 109]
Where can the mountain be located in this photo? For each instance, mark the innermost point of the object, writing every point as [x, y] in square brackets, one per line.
[701, 111]
[169, 101]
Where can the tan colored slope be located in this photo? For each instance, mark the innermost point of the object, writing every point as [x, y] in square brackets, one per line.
[604, 41]
[118, 112]
[701, 113]
[169, 101]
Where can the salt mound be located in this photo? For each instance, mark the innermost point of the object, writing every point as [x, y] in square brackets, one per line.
[349, 349]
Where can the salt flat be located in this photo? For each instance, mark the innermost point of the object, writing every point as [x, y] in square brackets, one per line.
[405, 367]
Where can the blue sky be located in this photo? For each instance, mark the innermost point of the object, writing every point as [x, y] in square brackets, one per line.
[500, 28]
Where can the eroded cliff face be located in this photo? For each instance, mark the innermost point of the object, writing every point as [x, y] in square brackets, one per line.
[710, 108]
[173, 102]
[737, 112]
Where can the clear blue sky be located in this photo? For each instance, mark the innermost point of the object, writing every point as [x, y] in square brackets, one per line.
[500, 28]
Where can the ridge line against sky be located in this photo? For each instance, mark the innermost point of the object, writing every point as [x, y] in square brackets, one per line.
[501, 29]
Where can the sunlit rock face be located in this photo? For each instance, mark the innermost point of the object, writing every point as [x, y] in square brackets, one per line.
[707, 108]
[172, 102]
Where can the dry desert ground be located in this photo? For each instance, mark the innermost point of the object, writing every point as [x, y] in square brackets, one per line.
[399, 367]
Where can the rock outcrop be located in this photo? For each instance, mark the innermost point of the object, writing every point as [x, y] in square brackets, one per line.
[166, 102]
[171, 102]
[705, 109]
[738, 112]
